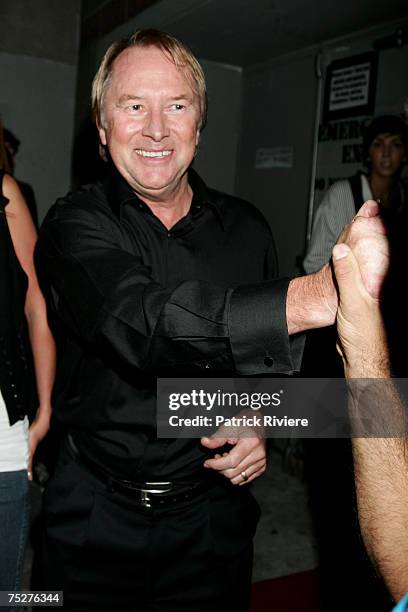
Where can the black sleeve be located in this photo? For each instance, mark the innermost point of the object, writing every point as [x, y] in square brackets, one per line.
[107, 297]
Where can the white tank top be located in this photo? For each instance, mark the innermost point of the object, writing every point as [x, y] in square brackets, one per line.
[13, 442]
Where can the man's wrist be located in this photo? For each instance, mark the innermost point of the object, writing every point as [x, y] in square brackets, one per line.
[311, 301]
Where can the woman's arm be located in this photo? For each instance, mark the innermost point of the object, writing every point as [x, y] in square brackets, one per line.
[24, 237]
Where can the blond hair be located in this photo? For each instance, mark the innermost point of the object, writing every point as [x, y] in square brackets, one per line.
[178, 53]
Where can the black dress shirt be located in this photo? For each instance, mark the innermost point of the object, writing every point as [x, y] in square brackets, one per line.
[136, 301]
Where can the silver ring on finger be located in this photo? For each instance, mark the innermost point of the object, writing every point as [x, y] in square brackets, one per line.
[244, 475]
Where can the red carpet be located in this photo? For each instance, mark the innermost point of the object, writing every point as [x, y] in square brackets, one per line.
[294, 593]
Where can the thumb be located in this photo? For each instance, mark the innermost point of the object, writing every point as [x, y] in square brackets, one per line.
[217, 441]
[213, 442]
[369, 209]
[347, 272]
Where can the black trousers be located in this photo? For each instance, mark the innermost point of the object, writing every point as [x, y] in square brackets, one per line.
[107, 552]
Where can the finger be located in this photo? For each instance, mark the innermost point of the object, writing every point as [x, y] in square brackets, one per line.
[253, 476]
[246, 453]
[245, 475]
[255, 458]
[219, 463]
[234, 457]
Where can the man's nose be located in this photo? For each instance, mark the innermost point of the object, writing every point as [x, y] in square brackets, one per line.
[155, 126]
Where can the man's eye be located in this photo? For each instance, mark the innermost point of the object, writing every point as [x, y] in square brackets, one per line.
[132, 108]
[178, 106]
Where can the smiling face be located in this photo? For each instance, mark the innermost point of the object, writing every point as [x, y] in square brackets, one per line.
[387, 154]
[150, 122]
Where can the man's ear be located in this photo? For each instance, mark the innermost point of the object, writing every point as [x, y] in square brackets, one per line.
[102, 142]
[197, 137]
[102, 134]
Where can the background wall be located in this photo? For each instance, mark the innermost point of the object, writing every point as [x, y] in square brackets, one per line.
[391, 93]
[217, 155]
[278, 111]
[38, 57]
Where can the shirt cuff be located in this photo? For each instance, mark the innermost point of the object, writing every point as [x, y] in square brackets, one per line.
[258, 330]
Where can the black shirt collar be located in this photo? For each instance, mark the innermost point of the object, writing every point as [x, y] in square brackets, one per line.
[119, 193]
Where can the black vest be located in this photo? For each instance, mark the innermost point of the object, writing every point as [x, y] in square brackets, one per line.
[357, 190]
[17, 380]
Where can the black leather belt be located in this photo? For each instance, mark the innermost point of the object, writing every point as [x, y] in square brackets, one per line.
[149, 494]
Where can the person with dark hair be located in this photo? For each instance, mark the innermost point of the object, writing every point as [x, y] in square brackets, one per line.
[12, 144]
[27, 367]
[385, 149]
[152, 274]
[5, 162]
[11, 147]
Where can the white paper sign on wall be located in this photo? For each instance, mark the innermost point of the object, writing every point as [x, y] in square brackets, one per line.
[274, 157]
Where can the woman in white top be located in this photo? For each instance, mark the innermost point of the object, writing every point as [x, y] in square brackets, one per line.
[385, 148]
[23, 325]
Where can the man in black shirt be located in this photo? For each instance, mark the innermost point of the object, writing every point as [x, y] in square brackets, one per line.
[153, 273]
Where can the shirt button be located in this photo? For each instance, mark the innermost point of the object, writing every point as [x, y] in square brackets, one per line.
[268, 361]
[168, 234]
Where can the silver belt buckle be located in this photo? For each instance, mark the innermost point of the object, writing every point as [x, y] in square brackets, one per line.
[153, 488]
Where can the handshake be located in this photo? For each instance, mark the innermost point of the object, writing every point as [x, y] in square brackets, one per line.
[360, 265]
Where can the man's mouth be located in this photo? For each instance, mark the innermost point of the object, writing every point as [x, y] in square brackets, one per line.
[145, 153]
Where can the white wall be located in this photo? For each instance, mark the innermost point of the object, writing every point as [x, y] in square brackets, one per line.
[37, 100]
[217, 156]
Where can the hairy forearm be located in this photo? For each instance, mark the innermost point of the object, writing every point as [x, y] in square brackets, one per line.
[381, 469]
[311, 301]
[377, 417]
[367, 356]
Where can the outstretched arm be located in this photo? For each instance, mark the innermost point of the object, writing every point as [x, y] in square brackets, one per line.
[381, 464]
[312, 302]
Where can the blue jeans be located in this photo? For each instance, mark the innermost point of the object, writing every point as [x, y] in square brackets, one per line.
[14, 519]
